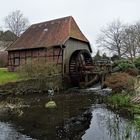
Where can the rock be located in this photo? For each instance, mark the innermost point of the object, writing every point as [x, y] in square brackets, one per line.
[50, 104]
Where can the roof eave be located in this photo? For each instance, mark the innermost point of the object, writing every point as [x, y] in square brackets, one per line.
[41, 47]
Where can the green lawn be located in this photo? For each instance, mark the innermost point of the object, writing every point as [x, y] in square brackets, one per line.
[6, 76]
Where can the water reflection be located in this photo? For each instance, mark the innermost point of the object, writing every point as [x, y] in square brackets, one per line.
[77, 116]
[58, 123]
[8, 132]
[105, 125]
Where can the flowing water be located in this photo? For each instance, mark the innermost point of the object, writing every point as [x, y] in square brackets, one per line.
[76, 117]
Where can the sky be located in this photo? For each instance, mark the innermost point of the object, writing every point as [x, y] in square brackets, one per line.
[90, 15]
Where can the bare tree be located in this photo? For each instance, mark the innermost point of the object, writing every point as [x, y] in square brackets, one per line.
[6, 39]
[137, 28]
[131, 41]
[111, 38]
[16, 22]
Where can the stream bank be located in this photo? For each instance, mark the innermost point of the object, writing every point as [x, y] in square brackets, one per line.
[32, 86]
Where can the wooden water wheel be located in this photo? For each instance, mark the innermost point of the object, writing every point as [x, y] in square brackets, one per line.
[81, 67]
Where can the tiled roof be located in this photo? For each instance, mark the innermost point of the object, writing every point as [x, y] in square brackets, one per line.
[49, 33]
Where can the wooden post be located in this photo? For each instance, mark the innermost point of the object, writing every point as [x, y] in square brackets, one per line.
[86, 79]
[102, 79]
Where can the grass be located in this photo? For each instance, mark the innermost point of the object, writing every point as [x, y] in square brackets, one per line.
[6, 76]
[123, 101]
[119, 100]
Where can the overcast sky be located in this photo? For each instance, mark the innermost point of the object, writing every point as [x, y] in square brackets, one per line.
[90, 15]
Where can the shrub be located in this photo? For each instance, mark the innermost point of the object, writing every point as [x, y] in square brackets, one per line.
[38, 69]
[126, 66]
[3, 58]
[115, 57]
[137, 63]
[123, 64]
[132, 71]
[120, 81]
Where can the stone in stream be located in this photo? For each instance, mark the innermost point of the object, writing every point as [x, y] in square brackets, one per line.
[50, 104]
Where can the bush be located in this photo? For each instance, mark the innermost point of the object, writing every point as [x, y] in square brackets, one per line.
[137, 63]
[38, 69]
[132, 71]
[126, 66]
[115, 57]
[120, 81]
[123, 64]
[3, 58]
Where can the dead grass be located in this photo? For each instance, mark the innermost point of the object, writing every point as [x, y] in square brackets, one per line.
[120, 81]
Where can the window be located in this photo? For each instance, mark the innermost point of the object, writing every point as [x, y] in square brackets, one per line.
[16, 61]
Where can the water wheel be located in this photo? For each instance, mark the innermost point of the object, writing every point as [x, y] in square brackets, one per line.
[80, 67]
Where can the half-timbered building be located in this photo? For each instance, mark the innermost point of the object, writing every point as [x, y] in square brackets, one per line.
[59, 40]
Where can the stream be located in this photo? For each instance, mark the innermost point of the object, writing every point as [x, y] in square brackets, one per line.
[77, 116]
